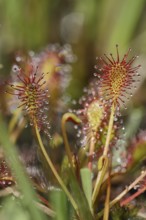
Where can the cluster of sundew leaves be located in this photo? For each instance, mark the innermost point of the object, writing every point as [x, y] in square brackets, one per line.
[53, 64]
[94, 108]
[117, 78]
[111, 87]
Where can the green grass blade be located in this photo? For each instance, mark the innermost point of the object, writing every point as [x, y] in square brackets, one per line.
[60, 205]
[87, 185]
[125, 22]
[80, 198]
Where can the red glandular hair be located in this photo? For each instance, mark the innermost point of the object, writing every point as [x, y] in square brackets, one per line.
[117, 78]
[94, 114]
[32, 95]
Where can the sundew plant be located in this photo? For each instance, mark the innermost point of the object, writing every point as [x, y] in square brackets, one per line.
[57, 172]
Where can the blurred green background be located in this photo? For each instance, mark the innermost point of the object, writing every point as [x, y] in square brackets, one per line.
[92, 27]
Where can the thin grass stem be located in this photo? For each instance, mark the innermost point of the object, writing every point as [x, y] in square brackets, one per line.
[60, 181]
[104, 157]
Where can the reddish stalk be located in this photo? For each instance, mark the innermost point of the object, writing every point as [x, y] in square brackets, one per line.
[130, 198]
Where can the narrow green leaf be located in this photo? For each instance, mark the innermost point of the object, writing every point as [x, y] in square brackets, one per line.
[80, 198]
[13, 210]
[59, 202]
[87, 185]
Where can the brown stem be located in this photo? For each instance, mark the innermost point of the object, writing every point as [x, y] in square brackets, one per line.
[130, 198]
[46, 156]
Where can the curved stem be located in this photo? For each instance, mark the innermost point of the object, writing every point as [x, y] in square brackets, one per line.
[54, 170]
[66, 117]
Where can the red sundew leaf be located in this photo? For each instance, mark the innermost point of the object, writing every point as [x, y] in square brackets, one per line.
[117, 78]
[32, 96]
